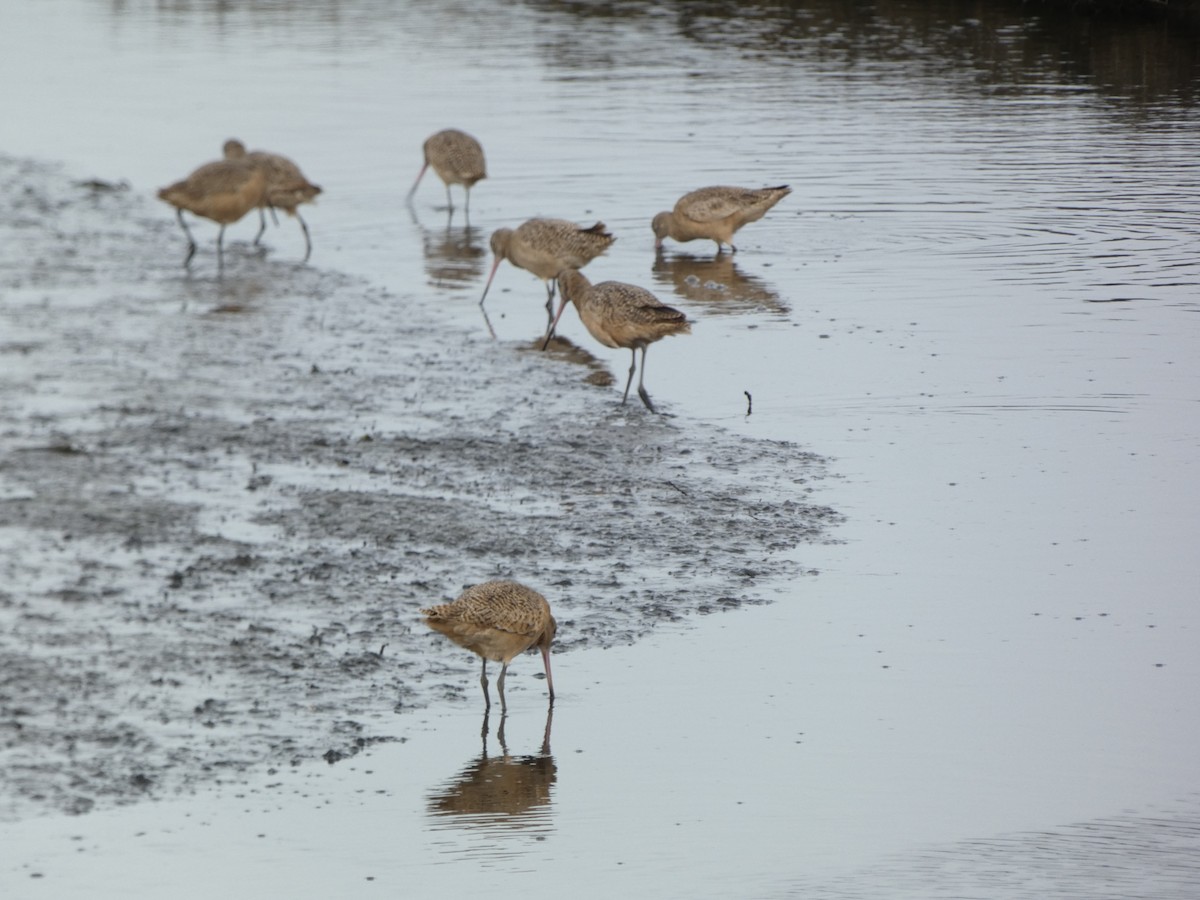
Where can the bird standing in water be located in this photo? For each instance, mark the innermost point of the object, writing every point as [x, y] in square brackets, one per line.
[457, 158]
[545, 247]
[497, 620]
[287, 187]
[619, 315]
[223, 191]
[715, 213]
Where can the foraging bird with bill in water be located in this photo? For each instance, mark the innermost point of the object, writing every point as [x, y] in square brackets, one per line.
[287, 187]
[498, 621]
[546, 247]
[619, 315]
[715, 213]
[457, 158]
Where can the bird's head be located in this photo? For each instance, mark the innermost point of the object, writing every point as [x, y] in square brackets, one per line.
[661, 224]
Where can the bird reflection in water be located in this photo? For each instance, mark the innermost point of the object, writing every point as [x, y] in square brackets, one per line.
[454, 254]
[717, 283]
[498, 793]
[566, 349]
[232, 296]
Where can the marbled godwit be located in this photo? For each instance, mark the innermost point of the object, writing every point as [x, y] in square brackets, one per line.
[619, 315]
[498, 620]
[715, 213]
[457, 158]
[546, 247]
[223, 191]
[287, 187]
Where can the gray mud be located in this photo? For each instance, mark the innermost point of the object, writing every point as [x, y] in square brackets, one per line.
[223, 500]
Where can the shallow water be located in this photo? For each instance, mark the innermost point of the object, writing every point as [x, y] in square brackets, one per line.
[979, 301]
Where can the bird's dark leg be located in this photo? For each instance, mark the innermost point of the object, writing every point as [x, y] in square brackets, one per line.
[449, 202]
[487, 700]
[551, 285]
[500, 688]
[191, 241]
[220, 255]
[262, 225]
[642, 388]
[546, 733]
[632, 367]
[307, 240]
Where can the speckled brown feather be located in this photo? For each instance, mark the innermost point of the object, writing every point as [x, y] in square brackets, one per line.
[618, 314]
[223, 191]
[287, 187]
[546, 247]
[456, 157]
[715, 213]
[498, 620]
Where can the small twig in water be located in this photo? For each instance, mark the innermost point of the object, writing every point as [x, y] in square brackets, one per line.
[749, 402]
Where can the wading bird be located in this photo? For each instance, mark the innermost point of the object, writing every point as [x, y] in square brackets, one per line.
[223, 191]
[546, 247]
[287, 187]
[715, 213]
[498, 620]
[457, 158]
[619, 315]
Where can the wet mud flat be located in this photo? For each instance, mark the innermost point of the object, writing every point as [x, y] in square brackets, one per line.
[222, 501]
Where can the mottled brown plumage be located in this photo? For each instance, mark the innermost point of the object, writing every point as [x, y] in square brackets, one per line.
[498, 620]
[546, 247]
[457, 158]
[287, 187]
[715, 213]
[620, 315]
[223, 191]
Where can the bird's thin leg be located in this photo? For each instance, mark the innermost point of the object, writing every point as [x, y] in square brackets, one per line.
[641, 387]
[629, 380]
[274, 218]
[449, 202]
[550, 286]
[500, 688]
[191, 241]
[487, 700]
[307, 239]
[262, 225]
[220, 254]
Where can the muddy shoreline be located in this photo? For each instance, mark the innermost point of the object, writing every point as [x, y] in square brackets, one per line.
[222, 502]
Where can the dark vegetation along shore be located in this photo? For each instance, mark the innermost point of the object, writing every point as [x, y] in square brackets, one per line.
[222, 502]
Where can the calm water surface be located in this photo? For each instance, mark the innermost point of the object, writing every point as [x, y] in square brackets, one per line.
[981, 300]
